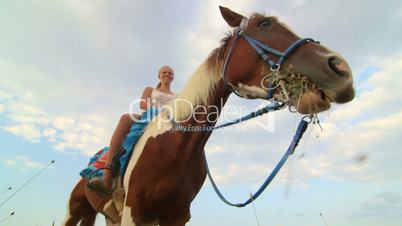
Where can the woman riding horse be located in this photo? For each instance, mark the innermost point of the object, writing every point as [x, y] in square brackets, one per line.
[262, 58]
[151, 97]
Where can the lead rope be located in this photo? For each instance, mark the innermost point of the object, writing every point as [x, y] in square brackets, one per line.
[298, 135]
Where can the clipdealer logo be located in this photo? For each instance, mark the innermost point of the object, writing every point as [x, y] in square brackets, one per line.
[204, 116]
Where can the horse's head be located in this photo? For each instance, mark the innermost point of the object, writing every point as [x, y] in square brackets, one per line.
[265, 56]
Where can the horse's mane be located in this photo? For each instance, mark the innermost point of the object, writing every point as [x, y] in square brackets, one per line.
[201, 84]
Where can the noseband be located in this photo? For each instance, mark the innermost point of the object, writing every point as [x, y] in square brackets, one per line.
[263, 50]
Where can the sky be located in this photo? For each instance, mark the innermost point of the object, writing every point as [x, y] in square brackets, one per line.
[70, 68]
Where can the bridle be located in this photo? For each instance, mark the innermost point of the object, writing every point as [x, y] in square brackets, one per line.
[264, 51]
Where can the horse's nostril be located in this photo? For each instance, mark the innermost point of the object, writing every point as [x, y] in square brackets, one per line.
[339, 66]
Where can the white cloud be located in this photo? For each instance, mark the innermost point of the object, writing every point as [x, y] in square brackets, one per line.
[49, 132]
[85, 134]
[62, 123]
[384, 204]
[10, 162]
[29, 132]
[216, 149]
[4, 96]
[210, 28]
[24, 163]
[34, 165]
[21, 157]
[361, 151]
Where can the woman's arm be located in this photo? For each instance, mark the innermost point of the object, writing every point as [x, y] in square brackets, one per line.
[146, 98]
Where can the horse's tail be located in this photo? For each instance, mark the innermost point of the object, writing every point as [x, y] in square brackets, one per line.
[78, 208]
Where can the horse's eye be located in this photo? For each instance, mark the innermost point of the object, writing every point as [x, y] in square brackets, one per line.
[264, 23]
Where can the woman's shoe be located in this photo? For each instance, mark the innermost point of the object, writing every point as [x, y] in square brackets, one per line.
[99, 185]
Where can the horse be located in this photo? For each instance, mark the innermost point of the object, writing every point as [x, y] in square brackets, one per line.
[167, 168]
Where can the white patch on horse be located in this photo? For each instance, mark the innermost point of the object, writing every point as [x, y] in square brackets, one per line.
[250, 91]
[154, 128]
[126, 218]
[244, 23]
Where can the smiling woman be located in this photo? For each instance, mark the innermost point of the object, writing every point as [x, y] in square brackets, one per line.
[127, 133]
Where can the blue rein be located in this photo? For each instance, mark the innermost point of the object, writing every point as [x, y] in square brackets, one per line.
[296, 139]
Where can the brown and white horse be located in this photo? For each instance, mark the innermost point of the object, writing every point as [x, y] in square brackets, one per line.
[167, 168]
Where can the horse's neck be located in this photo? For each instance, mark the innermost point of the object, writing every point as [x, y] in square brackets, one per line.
[217, 100]
[208, 117]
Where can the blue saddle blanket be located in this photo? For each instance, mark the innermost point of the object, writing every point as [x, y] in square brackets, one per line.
[99, 159]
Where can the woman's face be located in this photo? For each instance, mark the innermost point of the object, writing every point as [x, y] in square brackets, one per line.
[166, 75]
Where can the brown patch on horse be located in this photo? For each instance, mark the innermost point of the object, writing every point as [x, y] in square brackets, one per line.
[80, 210]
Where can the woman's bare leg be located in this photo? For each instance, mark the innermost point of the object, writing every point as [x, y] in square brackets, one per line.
[119, 134]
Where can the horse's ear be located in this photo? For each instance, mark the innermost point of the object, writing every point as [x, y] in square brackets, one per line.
[232, 18]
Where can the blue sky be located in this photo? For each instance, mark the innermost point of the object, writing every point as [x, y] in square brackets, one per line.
[68, 69]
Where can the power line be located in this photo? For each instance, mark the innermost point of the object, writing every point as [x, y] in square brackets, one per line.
[322, 217]
[11, 214]
[5, 191]
[26, 183]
